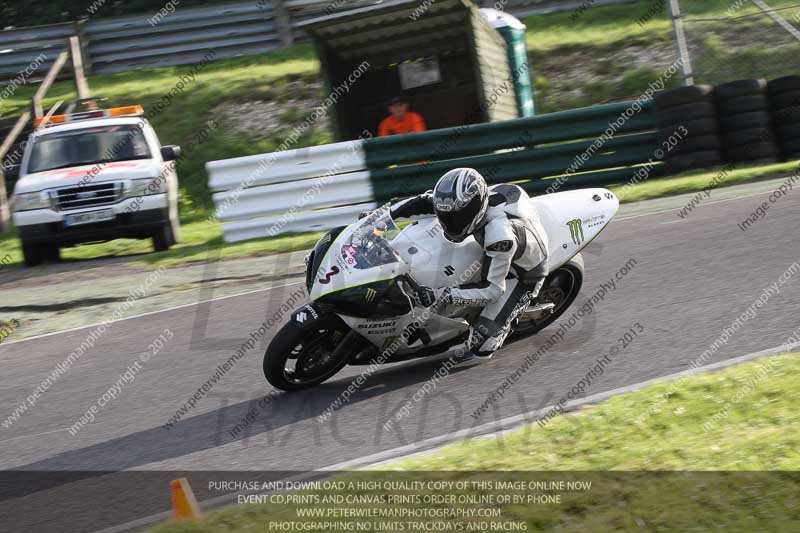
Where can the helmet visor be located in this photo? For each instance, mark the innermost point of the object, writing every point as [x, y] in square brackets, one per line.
[459, 223]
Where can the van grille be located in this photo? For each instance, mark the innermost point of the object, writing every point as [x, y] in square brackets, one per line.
[88, 195]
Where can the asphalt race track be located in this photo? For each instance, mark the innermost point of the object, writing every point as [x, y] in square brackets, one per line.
[691, 279]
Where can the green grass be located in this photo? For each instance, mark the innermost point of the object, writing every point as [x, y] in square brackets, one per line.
[595, 36]
[607, 28]
[697, 181]
[201, 240]
[669, 426]
[599, 28]
[760, 433]
[264, 76]
[602, 42]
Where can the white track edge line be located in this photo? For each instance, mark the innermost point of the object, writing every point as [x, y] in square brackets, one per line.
[78, 328]
[489, 428]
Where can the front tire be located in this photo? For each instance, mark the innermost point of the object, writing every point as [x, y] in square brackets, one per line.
[303, 356]
[51, 253]
[32, 254]
[164, 237]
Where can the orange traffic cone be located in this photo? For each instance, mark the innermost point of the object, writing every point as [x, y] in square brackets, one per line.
[184, 504]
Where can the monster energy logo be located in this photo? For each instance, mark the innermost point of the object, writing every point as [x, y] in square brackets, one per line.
[576, 230]
[370, 295]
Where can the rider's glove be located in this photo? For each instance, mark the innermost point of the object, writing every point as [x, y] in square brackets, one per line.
[424, 296]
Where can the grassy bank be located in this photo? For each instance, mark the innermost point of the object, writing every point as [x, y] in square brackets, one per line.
[742, 418]
[612, 53]
[603, 54]
[275, 76]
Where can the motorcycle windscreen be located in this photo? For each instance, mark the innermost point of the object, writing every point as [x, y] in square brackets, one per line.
[369, 245]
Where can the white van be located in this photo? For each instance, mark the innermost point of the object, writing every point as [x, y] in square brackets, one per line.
[91, 177]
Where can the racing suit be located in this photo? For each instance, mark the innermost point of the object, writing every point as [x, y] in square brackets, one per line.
[514, 264]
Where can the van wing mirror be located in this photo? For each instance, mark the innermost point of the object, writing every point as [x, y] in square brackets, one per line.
[170, 152]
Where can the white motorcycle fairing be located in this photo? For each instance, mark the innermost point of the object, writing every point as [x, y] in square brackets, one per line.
[366, 270]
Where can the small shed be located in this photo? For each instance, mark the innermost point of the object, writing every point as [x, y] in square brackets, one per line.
[441, 55]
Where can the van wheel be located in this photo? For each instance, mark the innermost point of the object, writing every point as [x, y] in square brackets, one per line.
[163, 237]
[51, 253]
[32, 254]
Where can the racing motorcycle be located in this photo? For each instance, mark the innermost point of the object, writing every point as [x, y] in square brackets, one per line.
[361, 279]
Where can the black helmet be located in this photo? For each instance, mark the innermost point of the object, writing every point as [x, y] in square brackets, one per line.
[460, 199]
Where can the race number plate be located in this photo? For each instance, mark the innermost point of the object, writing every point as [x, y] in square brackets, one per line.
[90, 217]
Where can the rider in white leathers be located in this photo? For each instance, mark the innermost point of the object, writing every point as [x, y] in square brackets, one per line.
[505, 223]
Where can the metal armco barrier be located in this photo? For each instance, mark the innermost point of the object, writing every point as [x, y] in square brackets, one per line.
[325, 186]
[181, 37]
[27, 53]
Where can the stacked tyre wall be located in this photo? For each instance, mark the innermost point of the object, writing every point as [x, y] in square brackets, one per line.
[689, 113]
[784, 97]
[741, 121]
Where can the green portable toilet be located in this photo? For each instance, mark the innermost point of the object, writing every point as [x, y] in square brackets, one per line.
[513, 31]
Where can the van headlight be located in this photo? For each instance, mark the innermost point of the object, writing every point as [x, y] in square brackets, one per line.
[143, 187]
[27, 201]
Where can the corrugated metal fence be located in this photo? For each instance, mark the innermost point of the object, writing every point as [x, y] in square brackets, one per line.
[184, 35]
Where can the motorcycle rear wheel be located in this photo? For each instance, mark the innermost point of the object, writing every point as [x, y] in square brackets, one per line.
[560, 288]
[310, 348]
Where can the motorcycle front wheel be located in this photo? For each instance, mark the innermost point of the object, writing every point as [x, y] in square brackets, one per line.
[303, 356]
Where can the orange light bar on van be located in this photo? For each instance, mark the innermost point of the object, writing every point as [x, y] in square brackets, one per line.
[124, 111]
[55, 119]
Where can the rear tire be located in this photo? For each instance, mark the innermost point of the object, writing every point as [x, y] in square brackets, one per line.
[309, 345]
[561, 288]
[691, 94]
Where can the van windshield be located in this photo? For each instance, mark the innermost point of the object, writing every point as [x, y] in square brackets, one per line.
[86, 147]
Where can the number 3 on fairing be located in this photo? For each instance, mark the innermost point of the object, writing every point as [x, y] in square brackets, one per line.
[370, 317]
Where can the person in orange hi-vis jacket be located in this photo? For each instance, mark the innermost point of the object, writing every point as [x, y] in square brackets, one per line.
[401, 120]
